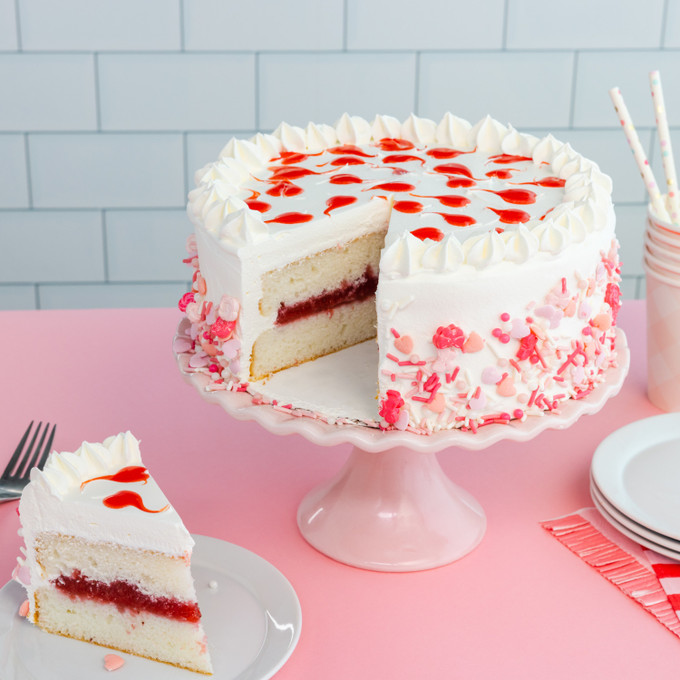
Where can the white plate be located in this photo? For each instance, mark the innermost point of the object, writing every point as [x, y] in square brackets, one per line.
[641, 540]
[634, 527]
[637, 469]
[252, 620]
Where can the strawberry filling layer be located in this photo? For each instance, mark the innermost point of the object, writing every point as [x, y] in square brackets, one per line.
[356, 291]
[125, 595]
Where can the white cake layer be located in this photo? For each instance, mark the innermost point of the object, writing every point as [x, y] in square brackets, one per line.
[154, 637]
[325, 272]
[313, 336]
[152, 572]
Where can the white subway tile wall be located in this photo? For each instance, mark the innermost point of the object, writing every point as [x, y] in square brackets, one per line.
[109, 106]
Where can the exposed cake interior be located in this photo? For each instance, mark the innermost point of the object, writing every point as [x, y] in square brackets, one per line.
[323, 303]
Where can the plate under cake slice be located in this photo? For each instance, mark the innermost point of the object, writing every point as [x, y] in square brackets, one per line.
[109, 557]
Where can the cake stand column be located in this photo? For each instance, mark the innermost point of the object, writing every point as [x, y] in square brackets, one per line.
[393, 510]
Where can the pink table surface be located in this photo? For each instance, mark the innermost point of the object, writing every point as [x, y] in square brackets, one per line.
[519, 606]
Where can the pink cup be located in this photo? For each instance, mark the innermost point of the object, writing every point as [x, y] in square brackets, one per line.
[658, 224]
[663, 240]
[663, 339]
[662, 253]
[670, 270]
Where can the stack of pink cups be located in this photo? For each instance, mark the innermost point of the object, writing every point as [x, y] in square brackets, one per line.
[662, 265]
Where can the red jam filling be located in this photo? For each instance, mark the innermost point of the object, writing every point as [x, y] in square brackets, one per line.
[361, 289]
[126, 596]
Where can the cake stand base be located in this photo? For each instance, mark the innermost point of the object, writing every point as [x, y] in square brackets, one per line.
[393, 510]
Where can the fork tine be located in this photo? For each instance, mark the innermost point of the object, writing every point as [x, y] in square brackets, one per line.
[36, 454]
[22, 467]
[17, 452]
[47, 449]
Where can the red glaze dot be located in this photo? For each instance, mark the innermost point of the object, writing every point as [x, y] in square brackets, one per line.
[345, 179]
[431, 233]
[259, 206]
[392, 144]
[408, 206]
[291, 218]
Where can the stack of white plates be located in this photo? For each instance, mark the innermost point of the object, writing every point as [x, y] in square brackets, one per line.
[635, 482]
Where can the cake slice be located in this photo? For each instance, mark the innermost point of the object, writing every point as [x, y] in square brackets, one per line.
[109, 557]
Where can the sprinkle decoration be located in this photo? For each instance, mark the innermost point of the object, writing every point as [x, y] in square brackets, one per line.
[665, 142]
[638, 153]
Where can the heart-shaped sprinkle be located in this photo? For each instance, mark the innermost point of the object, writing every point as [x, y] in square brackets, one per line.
[112, 662]
[437, 405]
[491, 375]
[404, 344]
[474, 343]
[519, 329]
[506, 387]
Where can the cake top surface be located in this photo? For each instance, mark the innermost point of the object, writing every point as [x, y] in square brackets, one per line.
[102, 491]
[460, 194]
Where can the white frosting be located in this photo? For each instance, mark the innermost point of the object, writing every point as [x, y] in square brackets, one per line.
[53, 501]
[433, 269]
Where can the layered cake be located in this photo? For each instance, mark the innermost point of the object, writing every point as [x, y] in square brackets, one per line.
[483, 260]
[108, 558]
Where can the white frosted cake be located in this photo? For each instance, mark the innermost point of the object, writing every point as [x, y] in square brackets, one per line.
[483, 260]
[108, 558]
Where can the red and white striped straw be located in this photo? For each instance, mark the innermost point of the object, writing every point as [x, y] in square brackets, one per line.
[638, 153]
[665, 142]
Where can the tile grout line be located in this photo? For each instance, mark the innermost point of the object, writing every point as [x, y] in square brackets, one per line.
[180, 8]
[17, 22]
[416, 85]
[105, 246]
[97, 93]
[256, 93]
[345, 23]
[664, 19]
[504, 37]
[29, 179]
[574, 80]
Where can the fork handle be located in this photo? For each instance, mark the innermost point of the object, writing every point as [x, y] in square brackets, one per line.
[9, 496]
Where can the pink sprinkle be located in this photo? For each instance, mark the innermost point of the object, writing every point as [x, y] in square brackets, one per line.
[394, 332]
[496, 332]
[112, 662]
[505, 316]
[518, 413]
[23, 609]
[587, 331]
[504, 338]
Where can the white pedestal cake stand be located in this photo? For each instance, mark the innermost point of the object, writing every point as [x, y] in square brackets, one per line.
[391, 507]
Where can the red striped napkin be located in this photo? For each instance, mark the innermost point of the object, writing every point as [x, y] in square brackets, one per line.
[639, 573]
[667, 571]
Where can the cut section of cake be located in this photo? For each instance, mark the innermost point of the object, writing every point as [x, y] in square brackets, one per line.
[109, 558]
